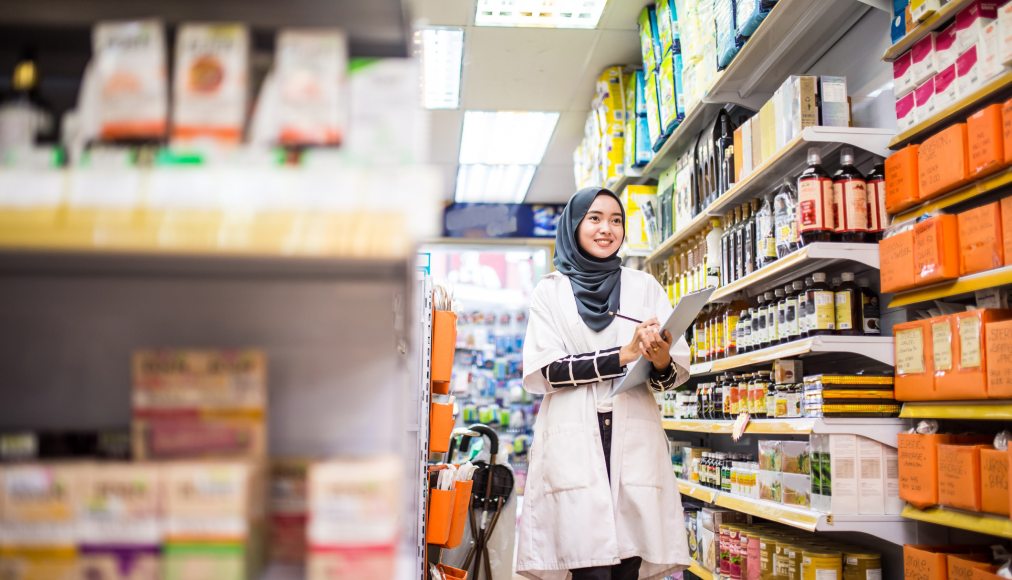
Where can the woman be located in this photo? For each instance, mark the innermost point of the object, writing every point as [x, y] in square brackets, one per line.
[601, 499]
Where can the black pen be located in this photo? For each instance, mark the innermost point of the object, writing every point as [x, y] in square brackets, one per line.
[629, 318]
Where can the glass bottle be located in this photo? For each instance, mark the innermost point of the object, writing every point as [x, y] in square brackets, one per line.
[743, 394]
[870, 323]
[690, 264]
[723, 139]
[726, 249]
[714, 258]
[731, 327]
[748, 239]
[821, 304]
[28, 118]
[850, 200]
[769, 335]
[804, 320]
[758, 323]
[793, 315]
[849, 311]
[719, 336]
[739, 244]
[771, 400]
[877, 216]
[785, 220]
[744, 333]
[781, 316]
[765, 379]
[766, 239]
[816, 221]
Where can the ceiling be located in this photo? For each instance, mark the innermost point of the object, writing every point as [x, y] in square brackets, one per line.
[529, 69]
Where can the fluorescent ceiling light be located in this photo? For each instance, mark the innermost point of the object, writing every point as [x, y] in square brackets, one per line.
[504, 138]
[480, 183]
[442, 53]
[539, 13]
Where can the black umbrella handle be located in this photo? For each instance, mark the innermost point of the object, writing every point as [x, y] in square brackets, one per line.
[493, 439]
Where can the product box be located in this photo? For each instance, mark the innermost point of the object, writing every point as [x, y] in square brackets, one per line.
[127, 77]
[994, 473]
[757, 146]
[200, 379]
[914, 369]
[971, 567]
[969, 379]
[930, 562]
[943, 161]
[211, 502]
[771, 486]
[946, 50]
[841, 479]
[205, 561]
[959, 476]
[903, 81]
[768, 130]
[641, 220]
[985, 141]
[970, 22]
[669, 77]
[122, 562]
[201, 435]
[870, 476]
[936, 249]
[38, 563]
[667, 26]
[998, 344]
[355, 502]
[922, 61]
[906, 111]
[708, 549]
[738, 143]
[1004, 43]
[211, 83]
[653, 112]
[946, 92]
[918, 467]
[120, 503]
[796, 106]
[981, 246]
[1006, 226]
[902, 179]
[795, 457]
[922, 9]
[649, 38]
[746, 148]
[942, 333]
[989, 53]
[797, 490]
[898, 26]
[924, 100]
[896, 255]
[834, 107]
[787, 371]
[310, 68]
[38, 503]
[893, 502]
[288, 510]
[969, 72]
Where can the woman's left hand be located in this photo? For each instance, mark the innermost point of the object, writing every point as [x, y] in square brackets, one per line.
[656, 347]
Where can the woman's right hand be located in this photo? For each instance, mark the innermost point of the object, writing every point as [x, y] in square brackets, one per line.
[644, 335]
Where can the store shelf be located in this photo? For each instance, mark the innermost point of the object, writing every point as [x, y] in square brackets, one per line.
[963, 285]
[882, 430]
[932, 23]
[697, 569]
[969, 410]
[879, 348]
[894, 529]
[955, 112]
[981, 523]
[794, 35]
[978, 188]
[818, 256]
[788, 162]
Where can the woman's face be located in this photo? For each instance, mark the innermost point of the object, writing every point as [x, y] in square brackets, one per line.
[601, 232]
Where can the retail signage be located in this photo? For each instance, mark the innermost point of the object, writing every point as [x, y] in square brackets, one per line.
[500, 220]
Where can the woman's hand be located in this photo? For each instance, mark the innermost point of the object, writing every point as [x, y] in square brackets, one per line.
[648, 342]
[659, 351]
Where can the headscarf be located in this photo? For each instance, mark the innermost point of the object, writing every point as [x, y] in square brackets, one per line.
[596, 282]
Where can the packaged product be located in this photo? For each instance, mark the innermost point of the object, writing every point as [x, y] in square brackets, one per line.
[131, 80]
[770, 456]
[310, 69]
[211, 82]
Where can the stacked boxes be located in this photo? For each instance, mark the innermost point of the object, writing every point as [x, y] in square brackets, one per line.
[600, 158]
[852, 474]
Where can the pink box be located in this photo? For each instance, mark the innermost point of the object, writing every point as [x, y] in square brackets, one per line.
[968, 72]
[945, 88]
[946, 49]
[922, 65]
[970, 22]
[903, 83]
[924, 101]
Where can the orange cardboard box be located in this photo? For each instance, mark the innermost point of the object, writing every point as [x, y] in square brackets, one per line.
[914, 368]
[936, 249]
[1006, 126]
[986, 141]
[968, 379]
[896, 256]
[918, 466]
[959, 476]
[970, 567]
[943, 161]
[981, 246]
[998, 349]
[930, 562]
[1006, 226]
[944, 351]
[994, 494]
[902, 182]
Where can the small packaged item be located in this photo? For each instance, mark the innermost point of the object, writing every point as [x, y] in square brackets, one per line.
[980, 239]
[797, 490]
[906, 113]
[770, 456]
[968, 71]
[211, 82]
[935, 253]
[946, 50]
[310, 69]
[795, 457]
[903, 81]
[924, 99]
[970, 22]
[1004, 43]
[985, 140]
[945, 88]
[129, 70]
[922, 9]
[771, 486]
[915, 378]
[902, 179]
[944, 161]
[922, 63]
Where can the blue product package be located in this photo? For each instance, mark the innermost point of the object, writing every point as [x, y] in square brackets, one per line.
[667, 26]
[650, 42]
[727, 45]
[644, 153]
[899, 25]
[748, 15]
[641, 87]
[679, 86]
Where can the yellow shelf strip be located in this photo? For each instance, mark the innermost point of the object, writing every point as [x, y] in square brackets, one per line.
[982, 523]
[964, 285]
[759, 427]
[698, 569]
[954, 112]
[977, 188]
[980, 410]
[696, 491]
[924, 28]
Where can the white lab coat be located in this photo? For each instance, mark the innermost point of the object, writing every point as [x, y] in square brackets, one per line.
[571, 517]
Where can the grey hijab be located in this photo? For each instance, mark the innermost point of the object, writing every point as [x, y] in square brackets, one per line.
[596, 282]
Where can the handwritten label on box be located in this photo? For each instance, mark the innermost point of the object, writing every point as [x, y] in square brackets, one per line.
[910, 351]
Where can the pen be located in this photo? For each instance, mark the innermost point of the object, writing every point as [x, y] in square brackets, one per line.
[629, 318]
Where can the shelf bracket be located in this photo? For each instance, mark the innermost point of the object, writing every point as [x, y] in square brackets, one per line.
[883, 5]
[871, 140]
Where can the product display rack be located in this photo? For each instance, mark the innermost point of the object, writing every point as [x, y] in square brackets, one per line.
[788, 162]
[893, 529]
[882, 430]
[878, 348]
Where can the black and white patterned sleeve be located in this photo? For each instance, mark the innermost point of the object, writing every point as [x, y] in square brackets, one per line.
[664, 379]
[584, 369]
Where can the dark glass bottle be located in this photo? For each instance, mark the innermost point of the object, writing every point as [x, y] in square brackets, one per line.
[748, 239]
[877, 216]
[723, 145]
[727, 249]
[870, 323]
[785, 219]
[849, 311]
[793, 315]
[769, 336]
[765, 233]
[739, 245]
[821, 304]
[781, 326]
[816, 220]
[744, 330]
[804, 319]
[759, 323]
[850, 200]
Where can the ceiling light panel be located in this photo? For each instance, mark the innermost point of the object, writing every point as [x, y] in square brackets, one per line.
[442, 54]
[539, 13]
[481, 183]
[506, 138]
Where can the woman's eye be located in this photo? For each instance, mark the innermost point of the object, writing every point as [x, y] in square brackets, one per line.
[593, 219]
[616, 222]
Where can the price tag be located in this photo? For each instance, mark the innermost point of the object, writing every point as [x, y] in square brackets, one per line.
[740, 424]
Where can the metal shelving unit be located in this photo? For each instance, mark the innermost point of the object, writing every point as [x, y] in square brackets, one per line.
[879, 348]
[882, 430]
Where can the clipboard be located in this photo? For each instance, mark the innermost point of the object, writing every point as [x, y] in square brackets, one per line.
[680, 320]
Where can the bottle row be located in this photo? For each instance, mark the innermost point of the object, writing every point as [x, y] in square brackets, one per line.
[797, 310]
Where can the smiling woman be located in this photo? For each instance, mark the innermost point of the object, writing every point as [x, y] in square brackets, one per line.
[603, 228]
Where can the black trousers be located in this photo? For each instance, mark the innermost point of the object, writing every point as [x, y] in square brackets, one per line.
[628, 569]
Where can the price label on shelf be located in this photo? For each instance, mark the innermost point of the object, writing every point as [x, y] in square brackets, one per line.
[740, 424]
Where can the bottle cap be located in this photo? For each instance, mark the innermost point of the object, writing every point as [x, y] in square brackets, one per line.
[798, 284]
[814, 157]
[819, 277]
[847, 276]
[847, 156]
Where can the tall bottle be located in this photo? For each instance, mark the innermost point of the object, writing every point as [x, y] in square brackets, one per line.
[816, 220]
[732, 326]
[739, 244]
[821, 304]
[714, 257]
[748, 240]
[765, 233]
[804, 319]
[848, 307]
[719, 338]
[781, 327]
[785, 219]
[877, 217]
[690, 265]
[726, 249]
[758, 323]
[870, 323]
[27, 118]
[723, 143]
[770, 335]
[744, 333]
[792, 315]
[850, 200]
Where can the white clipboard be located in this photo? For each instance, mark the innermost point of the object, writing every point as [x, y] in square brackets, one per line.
[681, 318]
